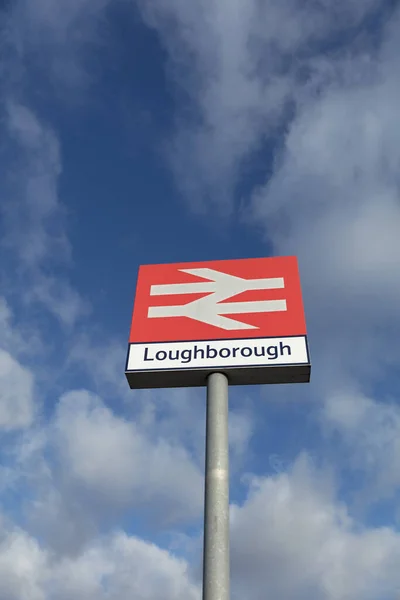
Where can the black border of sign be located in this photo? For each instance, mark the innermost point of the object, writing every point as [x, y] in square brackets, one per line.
[197, 376]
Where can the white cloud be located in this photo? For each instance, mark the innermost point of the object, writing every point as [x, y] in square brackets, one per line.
[59, 298]
[114, 461]
[54, 34]
[292, 539]
[123, 567]
[337, 181]
[68, 27]
[36, 202]
[88, 469]
[22, 566]
[370, 431]
[235, 62]
[332, 199]
[103, 358]
[34, 220]
[113, 567]
[17, 408]
[179, 416]
[19, 341]
[241, 429]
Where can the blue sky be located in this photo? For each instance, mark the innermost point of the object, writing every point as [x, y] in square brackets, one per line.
[143, 132]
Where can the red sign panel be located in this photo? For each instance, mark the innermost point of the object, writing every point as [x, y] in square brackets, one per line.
[228, 299]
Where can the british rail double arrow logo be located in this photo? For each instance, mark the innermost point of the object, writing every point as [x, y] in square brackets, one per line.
[211, 308]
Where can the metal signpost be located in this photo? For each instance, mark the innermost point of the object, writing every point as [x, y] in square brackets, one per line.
[209, 324]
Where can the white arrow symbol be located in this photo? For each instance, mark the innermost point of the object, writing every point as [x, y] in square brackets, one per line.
[219, 287]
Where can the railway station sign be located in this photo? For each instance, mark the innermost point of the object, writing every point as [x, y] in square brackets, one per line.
[243, 317]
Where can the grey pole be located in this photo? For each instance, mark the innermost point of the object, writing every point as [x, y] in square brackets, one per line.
[216, 505]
